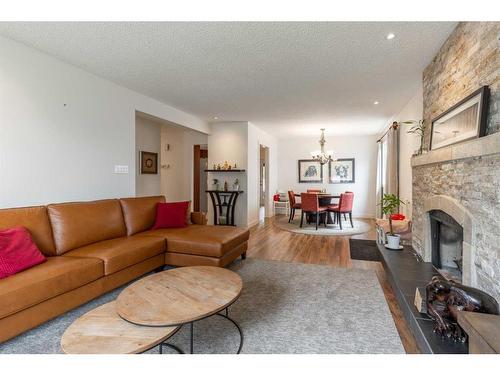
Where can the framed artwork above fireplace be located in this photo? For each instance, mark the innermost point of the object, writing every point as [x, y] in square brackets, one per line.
[464, 121]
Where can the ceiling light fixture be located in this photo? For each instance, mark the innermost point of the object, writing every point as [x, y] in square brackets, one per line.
[322, 156]
[390, 36]
[216, 118]
[376, 102]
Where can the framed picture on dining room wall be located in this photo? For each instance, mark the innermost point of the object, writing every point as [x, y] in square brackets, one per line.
[310, 171]
[341, 171]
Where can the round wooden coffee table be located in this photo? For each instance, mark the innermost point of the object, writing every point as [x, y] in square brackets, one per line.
[102, 331]
[181, 296]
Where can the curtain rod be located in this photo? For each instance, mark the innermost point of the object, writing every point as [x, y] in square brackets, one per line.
[394, 126]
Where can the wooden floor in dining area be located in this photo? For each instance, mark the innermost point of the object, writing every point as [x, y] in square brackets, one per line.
[271, 243]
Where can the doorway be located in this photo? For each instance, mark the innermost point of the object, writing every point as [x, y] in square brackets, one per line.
[200, 164]
[263, 181]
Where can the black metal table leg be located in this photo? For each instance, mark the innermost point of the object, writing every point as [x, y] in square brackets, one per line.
[192, 337]
[239, 330]
[170, 346]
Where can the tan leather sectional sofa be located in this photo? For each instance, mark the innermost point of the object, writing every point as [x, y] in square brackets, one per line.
[94, 247]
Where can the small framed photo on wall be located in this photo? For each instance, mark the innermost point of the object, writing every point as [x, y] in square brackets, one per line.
[149, 162]
[310, 171]
[341, 171]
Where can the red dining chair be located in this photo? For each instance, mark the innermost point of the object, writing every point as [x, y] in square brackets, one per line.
[310, 205]
[344, 207]
[313, 191]
[293, 205]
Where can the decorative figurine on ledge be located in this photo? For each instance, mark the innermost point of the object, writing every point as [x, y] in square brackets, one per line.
[445, 298]
[236, 185]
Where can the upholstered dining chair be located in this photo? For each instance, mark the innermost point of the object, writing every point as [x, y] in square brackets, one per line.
[344, 207]
[314, 191]
[310, 205]
[293, 205]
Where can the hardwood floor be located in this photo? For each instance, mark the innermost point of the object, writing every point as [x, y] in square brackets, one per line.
[269, 242]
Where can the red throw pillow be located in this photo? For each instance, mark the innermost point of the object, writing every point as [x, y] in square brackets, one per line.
[17, 251]
[171, 215]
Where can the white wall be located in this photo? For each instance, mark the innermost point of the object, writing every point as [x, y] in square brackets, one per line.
[239, 142]
[229, 142]
[177, 178]
[62, 130]
[147, 138]
[257, 137]
[409, 143]
[362, 148]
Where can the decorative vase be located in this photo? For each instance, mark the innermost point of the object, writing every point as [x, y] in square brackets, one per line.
[393, 241]
[236, 187]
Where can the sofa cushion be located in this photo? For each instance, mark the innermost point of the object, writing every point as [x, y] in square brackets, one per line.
[120, 253]
[36, 220]
[171, 215]
[47, 280]
[81, 223]
[206, 240]
[18, 252]
[140, 213]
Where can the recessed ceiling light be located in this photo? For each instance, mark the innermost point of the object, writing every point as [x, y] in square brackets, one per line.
[390, 36]
[376, 102]
[216, 118]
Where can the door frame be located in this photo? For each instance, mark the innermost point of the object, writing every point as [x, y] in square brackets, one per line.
[198, 154]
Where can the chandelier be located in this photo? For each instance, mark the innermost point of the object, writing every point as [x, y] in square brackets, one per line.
[322, 156]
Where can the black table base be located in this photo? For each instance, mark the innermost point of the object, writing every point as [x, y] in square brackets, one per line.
[191, 327]
[224, 203]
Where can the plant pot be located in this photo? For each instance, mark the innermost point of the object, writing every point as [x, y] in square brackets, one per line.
[393, 241]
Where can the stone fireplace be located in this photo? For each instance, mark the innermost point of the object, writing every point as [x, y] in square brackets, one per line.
[460, 186]
[446, 244]
[462, 180]
[449, 233]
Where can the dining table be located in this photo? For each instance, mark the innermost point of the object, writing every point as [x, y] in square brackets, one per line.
[325, 199]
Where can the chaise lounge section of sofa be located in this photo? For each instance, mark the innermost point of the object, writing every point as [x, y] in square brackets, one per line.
[94, 247]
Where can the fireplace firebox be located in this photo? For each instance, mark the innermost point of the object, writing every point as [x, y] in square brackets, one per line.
[446, 244]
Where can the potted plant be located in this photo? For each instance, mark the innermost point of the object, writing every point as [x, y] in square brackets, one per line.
[390, 207]
[418, 128]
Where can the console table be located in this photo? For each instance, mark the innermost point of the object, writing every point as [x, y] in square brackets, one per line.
[224, 203]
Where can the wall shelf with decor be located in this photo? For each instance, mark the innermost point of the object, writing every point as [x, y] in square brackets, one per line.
[224, 170]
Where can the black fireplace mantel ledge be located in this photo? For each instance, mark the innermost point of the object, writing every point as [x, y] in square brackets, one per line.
[405, 273]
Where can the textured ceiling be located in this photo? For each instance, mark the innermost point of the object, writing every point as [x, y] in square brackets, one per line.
[287, 78]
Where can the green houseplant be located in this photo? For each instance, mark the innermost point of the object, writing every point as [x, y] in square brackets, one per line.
[418, 128]
[390, 207]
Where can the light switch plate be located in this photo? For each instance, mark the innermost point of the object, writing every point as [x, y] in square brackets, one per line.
[120, 169]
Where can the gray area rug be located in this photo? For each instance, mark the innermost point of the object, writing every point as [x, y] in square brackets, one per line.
[284, 308]
[360, 226]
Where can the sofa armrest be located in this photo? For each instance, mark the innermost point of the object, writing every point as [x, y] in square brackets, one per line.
[199, 218]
